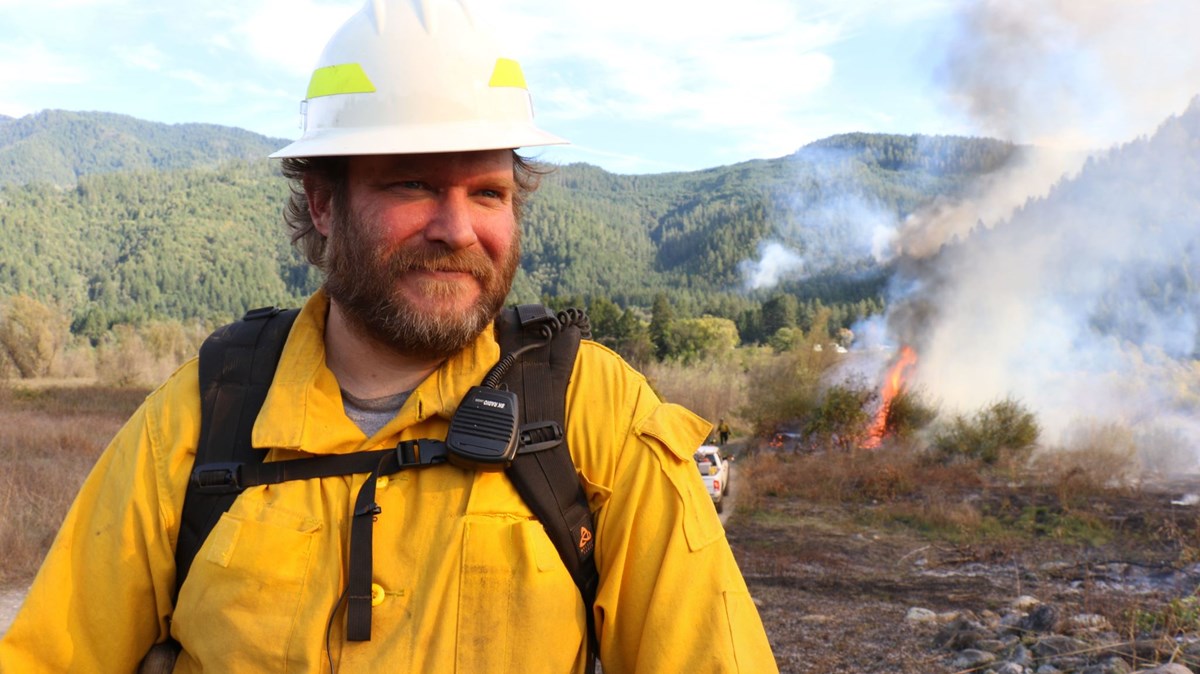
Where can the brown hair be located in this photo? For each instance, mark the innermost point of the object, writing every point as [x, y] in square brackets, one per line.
[329, 173]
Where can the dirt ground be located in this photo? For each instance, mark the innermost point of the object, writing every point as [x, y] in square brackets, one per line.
[833, 592]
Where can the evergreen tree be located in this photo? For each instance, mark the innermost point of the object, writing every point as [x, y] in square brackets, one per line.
[662, 320]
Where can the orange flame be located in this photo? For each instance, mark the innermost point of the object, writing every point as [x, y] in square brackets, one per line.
[893, 384]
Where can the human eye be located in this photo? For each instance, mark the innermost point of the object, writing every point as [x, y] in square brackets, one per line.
[498, 193]
[409, 185]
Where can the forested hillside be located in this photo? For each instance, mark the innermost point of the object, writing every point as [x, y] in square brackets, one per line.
[630, 237]
[116, 220]
[57, 146]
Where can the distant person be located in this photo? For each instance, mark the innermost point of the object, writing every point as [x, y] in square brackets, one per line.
[723, 432]
[407, 193]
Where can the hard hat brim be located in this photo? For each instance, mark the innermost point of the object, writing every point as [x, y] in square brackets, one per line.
[425, 139]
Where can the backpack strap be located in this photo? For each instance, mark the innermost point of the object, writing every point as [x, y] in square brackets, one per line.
[237, 364]
[546, 479]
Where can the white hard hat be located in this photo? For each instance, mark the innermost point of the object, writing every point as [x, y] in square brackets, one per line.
[413, 76]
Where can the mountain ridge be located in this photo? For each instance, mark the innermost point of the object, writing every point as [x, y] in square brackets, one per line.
[59, 146]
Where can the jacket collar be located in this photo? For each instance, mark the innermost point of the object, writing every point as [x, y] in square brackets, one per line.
[303, 409]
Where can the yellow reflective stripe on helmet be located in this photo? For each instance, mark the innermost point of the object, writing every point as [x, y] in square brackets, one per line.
[507, 73]
[347, 78]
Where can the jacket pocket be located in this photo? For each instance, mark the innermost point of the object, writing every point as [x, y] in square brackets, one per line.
[519, 610]
[242, 599]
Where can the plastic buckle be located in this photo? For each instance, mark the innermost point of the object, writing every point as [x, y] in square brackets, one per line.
[418, 453]
[218, 478]
[539, 436]
[261, 312]
[534, 314]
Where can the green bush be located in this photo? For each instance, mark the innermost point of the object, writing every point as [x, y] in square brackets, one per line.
[1179, 616]
[1001, 431]
[841, 419]
[783, 389]
[907, 413]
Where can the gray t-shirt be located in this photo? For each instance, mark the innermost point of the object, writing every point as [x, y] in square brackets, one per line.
[371, 414]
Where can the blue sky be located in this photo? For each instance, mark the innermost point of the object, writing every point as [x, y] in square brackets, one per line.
[641, 86]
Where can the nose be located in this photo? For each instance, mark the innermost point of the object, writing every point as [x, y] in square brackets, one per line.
[452, 223]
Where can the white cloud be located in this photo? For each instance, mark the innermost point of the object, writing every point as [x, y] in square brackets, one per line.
[750, 70]
[659, 59]
[12, 109]
[207, 87]
[288, 34]
[33, 63]
[145, 56]
[66, 4]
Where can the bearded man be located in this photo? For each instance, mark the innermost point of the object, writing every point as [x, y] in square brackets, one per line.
[406, 193]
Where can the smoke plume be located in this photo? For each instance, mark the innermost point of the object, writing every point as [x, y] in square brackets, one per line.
[775, 262]
[1068, 282]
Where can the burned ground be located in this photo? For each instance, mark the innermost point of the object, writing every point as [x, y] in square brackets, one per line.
[835, 581]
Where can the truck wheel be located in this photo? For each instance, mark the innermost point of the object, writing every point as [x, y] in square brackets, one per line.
[720, 506]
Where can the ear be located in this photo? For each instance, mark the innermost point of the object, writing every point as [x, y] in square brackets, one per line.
[320, 200]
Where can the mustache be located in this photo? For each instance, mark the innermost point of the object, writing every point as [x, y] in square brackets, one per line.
[474, 262]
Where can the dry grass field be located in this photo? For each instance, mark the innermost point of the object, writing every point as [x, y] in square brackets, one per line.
[50, 435]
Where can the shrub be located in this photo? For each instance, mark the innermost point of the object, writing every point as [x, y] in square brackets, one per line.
[713, 389]
[1095, 457]
[841, 420]
[147, 354]
[1164, 451]
[763, 477]
[1179, 617]
[31, 335]
[1004, 430]
[907, 413]
[784, 388]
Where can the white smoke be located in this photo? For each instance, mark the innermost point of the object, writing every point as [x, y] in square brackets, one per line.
[830, 230]
[1048, 303]
[775, 263]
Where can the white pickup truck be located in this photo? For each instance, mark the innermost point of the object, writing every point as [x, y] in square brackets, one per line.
[714, 468]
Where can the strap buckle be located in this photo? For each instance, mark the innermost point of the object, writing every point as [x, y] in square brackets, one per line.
[539, 436]
[218, 478]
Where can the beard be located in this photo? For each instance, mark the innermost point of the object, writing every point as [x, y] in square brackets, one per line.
[362, 280]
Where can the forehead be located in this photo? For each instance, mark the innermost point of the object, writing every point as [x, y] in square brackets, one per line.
[449, 165]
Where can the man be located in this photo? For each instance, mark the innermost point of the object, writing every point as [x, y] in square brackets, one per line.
[723, 432]
[409, 198]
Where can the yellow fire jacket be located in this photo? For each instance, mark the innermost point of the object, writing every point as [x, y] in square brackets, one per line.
[465, 579]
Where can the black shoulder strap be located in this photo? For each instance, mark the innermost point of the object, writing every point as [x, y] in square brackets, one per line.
[546, 479]
[237, 364]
